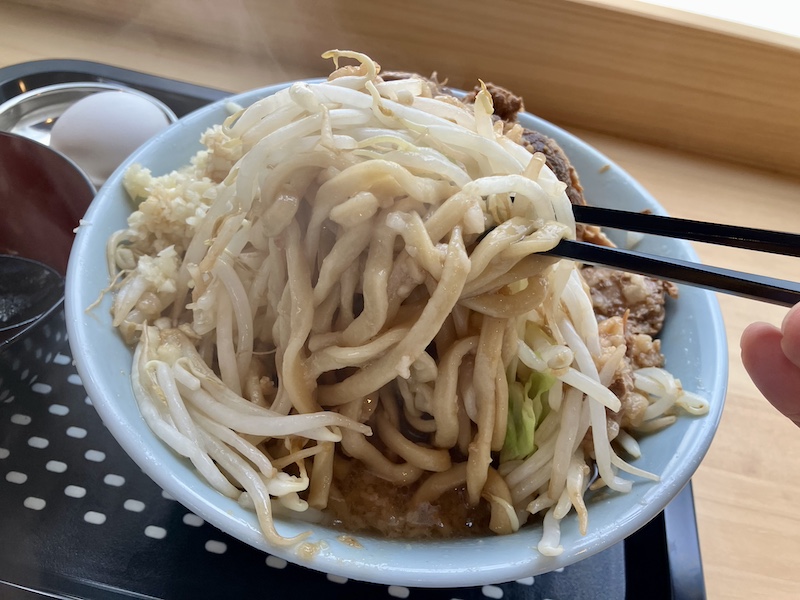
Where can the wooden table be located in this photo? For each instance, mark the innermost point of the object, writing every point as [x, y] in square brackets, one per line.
[747, 489]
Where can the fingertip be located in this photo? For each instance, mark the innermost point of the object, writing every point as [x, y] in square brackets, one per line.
[791, 335]
[754, 333]
[757, 346]
[773, 374]
[792, 316]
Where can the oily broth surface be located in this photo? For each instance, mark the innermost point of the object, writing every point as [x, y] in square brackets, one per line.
[365, 503]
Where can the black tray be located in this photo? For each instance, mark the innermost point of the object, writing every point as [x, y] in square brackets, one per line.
[78, 519]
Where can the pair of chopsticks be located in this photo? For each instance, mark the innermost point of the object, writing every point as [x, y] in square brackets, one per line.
[756, 287]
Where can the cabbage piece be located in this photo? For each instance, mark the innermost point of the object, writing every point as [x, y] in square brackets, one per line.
[526, 410]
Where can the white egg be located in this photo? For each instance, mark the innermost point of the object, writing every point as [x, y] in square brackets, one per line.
[100, 131]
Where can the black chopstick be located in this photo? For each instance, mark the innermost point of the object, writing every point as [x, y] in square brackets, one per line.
[777, 242]
[756, 287]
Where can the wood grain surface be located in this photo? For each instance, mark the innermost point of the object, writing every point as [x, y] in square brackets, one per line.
[622, 67]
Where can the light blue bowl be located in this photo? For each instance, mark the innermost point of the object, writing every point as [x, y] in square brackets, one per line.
[694, 343]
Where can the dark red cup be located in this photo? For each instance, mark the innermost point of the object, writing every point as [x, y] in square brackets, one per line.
[43, 196]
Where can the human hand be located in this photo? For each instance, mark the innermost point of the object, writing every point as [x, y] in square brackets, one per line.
[772, 359]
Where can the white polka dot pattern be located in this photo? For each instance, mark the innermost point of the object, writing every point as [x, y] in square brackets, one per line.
[193, 520]
[58, 409]
[76, 432]
[492, 591]
[75, 491]
[216, 547]
[34, 503]
[16, 477]
[136, 506]
[114, 480]
[276, 562]
[95, 518]
[41, 388]
[38, 442]
[95, 455]
[397, 591]
[56, 466]
[62, 359]
[155, 532]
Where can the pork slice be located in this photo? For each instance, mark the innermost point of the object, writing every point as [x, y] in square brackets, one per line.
[617, 293]
[506, 103]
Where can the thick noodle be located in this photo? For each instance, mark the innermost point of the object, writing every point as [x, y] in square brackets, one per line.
[349, 271]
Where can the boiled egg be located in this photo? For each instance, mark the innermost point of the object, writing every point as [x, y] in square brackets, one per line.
[100, 131]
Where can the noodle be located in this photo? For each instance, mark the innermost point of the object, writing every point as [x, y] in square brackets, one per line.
[358, 282]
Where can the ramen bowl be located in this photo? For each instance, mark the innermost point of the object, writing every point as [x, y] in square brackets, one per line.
[693, 341]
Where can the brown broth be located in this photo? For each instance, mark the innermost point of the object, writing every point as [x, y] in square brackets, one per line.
[365, 503]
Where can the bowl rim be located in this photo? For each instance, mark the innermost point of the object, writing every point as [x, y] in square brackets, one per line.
[91, 87]
[482, 569]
